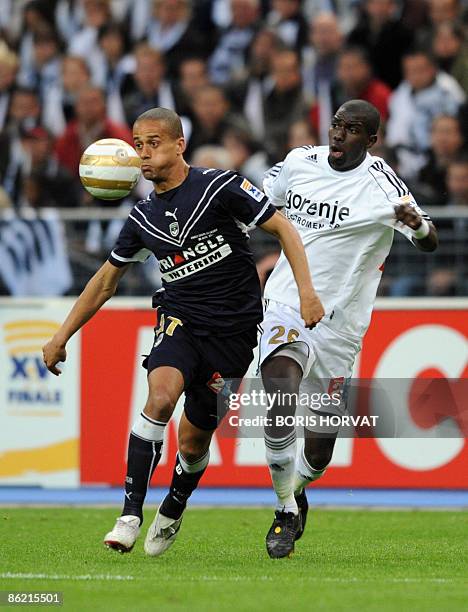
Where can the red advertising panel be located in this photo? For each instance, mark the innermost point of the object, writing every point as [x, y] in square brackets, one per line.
[400, 344]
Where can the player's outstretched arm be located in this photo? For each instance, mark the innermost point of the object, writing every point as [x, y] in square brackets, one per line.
[424, 232]
[99, 289]
[311, 306]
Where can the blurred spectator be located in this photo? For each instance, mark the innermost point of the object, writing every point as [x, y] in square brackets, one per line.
[284, 103]
[10, 20]
[288, 22]
[90, 124]
[414, 13]
[146, 88]
[380, 149]
[37, 19]
[381, 32]
[44, 70]
[138, 16]
[440, 11]
[193, 75]
[446, 143]
[24, 114]
[319, 67]
[33, 253]
[59, 104]
[424, 94]
[51, 184]
[300, 134]
[111, 61]
[247, 157]
[8, 69]
[247, 92]
[212, 156]
[451, 51]
[24, 111]
[212, 118]
[84, 42]
[229, 56]
[172, 32]
[457, 182]
[354, 80]
[319, 60]
[68, 17]
[441, 282]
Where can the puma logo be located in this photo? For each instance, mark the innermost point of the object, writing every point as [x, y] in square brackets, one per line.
[168, 213]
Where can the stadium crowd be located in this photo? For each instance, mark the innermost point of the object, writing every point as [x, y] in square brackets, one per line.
[251, 79]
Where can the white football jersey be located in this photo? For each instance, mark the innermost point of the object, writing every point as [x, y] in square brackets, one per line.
[346, 221]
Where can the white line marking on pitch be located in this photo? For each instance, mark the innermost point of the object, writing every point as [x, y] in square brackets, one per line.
[12, 576]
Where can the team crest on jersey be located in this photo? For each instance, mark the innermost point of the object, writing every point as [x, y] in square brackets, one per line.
[253, 192]
[174, 226]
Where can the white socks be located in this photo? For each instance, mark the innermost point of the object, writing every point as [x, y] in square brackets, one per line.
[305, 473]
[148, 429]
[281, 459]
[198, 466]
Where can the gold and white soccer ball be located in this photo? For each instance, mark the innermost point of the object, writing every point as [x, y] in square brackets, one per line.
[109, 169]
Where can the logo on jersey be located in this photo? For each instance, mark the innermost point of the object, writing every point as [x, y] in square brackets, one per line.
[201, 255]
[253, 192]
[334, 214]
[174, 226]
[312, 157]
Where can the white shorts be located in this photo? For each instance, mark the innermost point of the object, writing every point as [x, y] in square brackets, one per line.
[326, 357]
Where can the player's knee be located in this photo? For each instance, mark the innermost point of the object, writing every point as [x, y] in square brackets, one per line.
[281, 368]
[192, 449]
[160, 405]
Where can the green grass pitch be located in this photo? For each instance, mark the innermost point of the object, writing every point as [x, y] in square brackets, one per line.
[347, 560]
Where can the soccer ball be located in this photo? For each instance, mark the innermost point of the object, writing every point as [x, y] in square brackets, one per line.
[109, 169]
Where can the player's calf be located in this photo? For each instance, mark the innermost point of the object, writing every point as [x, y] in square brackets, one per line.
[163, 530]
[303, 507]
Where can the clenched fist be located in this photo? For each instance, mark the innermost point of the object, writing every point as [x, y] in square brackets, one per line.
[408, 215]
[52, 353]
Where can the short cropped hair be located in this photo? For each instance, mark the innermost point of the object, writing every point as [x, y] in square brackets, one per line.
[169, 117]
[369, 113]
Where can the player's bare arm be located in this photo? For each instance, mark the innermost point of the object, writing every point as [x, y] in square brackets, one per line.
[99, 289]
[410, 217]
[311, 306]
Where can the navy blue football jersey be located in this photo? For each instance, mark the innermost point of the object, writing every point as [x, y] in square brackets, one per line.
[198, 233]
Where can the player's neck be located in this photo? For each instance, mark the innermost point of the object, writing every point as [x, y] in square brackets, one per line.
[347, 168]
[175, 177]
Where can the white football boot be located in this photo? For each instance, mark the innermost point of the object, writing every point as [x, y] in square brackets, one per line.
[124, 534]
[161, 534]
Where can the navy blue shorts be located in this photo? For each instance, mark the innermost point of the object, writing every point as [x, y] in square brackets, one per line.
[202, 360]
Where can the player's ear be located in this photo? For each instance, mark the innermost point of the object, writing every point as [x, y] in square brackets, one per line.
[371, 141]
[181, 146]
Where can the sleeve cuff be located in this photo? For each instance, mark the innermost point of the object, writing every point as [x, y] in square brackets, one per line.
[266, 213]
[119, 261]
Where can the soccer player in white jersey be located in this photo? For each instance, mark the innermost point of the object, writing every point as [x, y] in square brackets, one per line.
[346, 204]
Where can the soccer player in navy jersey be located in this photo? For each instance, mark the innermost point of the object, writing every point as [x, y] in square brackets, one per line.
[195, 223]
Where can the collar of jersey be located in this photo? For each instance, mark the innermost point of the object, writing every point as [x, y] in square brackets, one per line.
[220, 181]
[357, 170]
